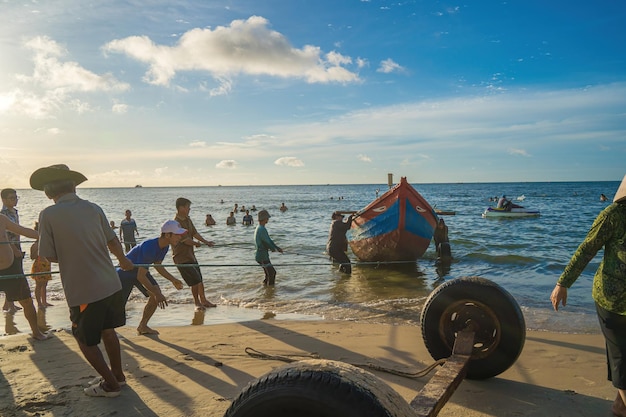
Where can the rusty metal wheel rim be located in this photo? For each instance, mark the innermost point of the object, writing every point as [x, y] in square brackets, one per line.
[475, 316]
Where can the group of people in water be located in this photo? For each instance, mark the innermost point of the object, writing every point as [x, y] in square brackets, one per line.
[231, 220]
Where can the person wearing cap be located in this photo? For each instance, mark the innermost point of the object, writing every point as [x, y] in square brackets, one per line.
[263, 244]
[151, 252]
[183, 253]
[609, 287]
[76, 234]
[337, 244]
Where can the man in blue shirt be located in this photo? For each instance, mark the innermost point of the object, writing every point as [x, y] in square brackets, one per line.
[148, 252]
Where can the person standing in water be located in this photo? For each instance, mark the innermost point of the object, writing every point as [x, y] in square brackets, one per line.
[263, 244]
[183, 253]
[337, 244]
[128, 230]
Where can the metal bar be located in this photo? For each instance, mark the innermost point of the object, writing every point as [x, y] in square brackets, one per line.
[433, 396]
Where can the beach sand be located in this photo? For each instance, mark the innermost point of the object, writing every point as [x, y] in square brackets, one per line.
[199, 370]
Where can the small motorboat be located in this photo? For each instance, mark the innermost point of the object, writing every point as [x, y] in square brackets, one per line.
[397, 226]
[517, 211]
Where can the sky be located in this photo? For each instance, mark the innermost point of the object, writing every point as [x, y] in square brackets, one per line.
[264, 92]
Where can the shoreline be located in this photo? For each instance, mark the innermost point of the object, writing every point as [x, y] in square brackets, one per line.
[198, 371]
[182, 314]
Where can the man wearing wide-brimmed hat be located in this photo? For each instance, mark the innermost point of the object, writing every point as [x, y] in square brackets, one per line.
[76, 234]
[609, 287]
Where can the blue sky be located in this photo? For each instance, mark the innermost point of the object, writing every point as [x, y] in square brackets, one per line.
[183, 93]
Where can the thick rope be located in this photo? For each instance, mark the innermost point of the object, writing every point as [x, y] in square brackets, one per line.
[290, 358]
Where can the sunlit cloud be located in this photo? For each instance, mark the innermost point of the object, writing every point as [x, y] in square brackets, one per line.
[226, 164]
[388, 66]
[55, 83]
[53, 73]
[119, 108]
[198, 144]
[290, 161]
[364, 158]
[243, 47]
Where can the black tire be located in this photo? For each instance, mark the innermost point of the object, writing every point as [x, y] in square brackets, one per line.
[315, 388]
[488, 310]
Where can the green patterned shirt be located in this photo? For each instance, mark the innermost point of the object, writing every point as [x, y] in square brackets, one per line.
[609, 282]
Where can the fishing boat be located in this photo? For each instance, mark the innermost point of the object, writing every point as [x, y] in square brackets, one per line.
[397, 226]
[517, 211]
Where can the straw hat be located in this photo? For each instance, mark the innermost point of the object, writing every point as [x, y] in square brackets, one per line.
[621, 191]
[53, 173]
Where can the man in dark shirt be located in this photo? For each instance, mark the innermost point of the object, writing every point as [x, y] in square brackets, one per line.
[338, 243]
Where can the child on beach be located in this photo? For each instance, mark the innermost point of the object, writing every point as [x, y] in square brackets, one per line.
[40, 265]
[263, 243]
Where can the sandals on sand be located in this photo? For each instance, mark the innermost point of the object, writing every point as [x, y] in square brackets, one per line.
[99, 379]
[98, 391]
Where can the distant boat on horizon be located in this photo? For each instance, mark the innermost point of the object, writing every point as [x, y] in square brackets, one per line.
[138, 186]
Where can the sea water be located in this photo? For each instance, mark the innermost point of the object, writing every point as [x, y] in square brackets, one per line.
[523, 255]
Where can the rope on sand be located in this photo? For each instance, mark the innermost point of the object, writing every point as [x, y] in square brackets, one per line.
[291, 358]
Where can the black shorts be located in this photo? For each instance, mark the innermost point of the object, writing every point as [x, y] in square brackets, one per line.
[129, 284]
[614, 331]
[15, 289]
[191, 274]
[88, 324]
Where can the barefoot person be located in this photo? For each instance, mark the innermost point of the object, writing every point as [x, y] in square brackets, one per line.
[183, 253]
[9, 201]
[16, 288]
[76, 234]
[151, 251]
[263, 243]
[609, 289]
[39, 268]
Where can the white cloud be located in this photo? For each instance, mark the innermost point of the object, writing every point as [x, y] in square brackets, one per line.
[520, 152]
[198, 144]
[161, 171]
[388, 66]
[119, 108]
[364, 158]
[243, 47]
[52, 73]
[53, 131]
[226, 164]
[290, 161]
[54, 83]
